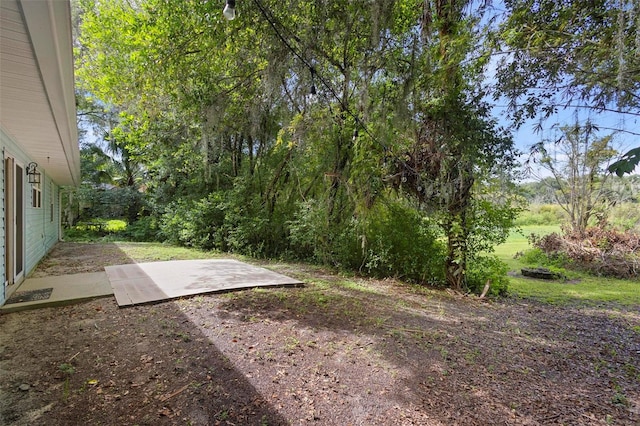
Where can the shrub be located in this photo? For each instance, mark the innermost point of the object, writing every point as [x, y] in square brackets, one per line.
[541, 214]
[250, 235]
[115, 226]
[538, 257]
[625, 216]
[236, 220]
[195, 223]
[79, 234]
[400, 241]
[95, 229]
[312, 237]
[556, 262]
[393, 239]
[487, 268]
[144, 229]
[253, 226]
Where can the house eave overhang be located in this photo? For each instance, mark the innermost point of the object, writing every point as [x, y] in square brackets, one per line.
[37, 99]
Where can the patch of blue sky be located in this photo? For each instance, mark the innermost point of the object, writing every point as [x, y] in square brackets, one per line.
[624, 126]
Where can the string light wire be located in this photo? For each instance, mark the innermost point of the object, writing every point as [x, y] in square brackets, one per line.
[272, 20]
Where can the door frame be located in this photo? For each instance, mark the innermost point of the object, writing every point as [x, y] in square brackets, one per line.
[14, 220]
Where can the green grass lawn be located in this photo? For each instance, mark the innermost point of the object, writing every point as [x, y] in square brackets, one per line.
[153, 252]
[518, 242]
[580, 288]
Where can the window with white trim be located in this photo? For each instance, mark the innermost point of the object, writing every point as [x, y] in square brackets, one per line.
[36, 196]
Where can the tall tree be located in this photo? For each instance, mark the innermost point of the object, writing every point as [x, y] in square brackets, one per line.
[456, 144]
[577, 160]
[571, 52]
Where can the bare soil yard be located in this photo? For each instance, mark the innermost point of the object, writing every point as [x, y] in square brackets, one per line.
[340, 351]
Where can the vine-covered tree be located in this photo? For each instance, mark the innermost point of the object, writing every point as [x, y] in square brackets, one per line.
[457, 147]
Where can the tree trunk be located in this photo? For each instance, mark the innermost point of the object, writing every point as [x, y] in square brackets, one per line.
[457, 246]
[456, 262]
[457, 228]
[340, 165]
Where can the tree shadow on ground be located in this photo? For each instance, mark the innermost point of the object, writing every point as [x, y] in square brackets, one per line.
[104, 365]
[338, 351]
[94, 363]
[455, 360]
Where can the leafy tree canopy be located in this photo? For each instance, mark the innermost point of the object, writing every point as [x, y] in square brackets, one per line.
[291, 129]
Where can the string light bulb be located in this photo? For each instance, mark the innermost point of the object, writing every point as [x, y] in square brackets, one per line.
[229, 11]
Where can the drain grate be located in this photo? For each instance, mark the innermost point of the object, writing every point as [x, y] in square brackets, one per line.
[30, 296]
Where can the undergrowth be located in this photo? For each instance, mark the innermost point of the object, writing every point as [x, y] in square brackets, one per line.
[600, 250]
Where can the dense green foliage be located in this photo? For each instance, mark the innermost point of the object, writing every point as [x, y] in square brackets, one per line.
[354, 134]
[569, 52]
[308, 131]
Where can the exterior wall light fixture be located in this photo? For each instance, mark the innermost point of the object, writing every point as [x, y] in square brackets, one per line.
[32, 173]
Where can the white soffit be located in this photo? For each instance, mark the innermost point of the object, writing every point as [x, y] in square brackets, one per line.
[37, 100]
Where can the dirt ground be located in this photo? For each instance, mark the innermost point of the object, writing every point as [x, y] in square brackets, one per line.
[339, 351]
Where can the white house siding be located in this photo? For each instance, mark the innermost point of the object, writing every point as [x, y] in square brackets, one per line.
[38, 115]
[40, 232]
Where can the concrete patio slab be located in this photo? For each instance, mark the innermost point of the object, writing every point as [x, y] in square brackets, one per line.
[157, 281]
[65, 289]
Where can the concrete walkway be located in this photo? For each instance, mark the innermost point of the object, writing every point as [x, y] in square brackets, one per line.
[140, 283]
[64, 289]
